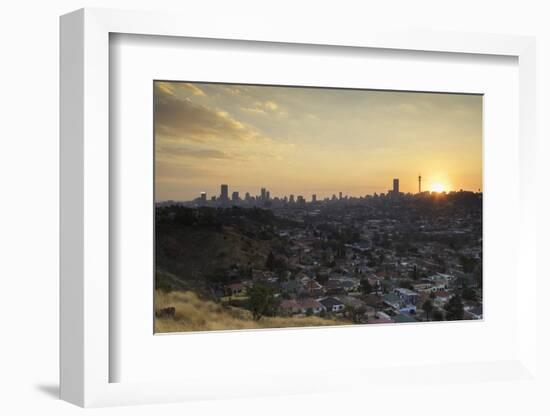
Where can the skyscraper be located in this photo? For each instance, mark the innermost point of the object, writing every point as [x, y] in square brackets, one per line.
[224, 193]
[263, 194]
[203, 196]
[396, 186]
[314, 198]
[419, 183]
[235, 196]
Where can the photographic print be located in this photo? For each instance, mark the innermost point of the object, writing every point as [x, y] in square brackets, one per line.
[287, 206]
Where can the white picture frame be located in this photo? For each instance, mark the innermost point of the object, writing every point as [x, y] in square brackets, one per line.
[86, 356]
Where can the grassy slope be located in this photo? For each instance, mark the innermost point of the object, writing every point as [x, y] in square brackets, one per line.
[194, 314]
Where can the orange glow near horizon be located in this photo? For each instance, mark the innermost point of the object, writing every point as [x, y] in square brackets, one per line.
[437, 187]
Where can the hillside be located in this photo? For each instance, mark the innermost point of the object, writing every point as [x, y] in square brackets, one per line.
[192, 252]
[198, 247]
[194, 314]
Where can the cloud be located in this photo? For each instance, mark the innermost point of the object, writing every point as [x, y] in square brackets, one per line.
[254, 110]
[165, 88]
[177, 172]
[231, 90]
[180, 118]
[263, 108]
[187, 152]
[193, 88]
[270, 105]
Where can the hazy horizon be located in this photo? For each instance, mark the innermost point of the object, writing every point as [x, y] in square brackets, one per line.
[304, 141]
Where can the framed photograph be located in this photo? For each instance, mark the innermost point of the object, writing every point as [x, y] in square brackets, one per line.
[268, 213]
[282, 245]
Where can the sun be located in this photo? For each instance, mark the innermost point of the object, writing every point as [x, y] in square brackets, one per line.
[437, 187]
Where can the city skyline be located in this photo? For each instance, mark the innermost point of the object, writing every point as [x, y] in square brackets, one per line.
[306, 141]
[228, 194]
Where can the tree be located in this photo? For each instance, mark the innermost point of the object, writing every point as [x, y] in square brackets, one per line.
[428, 307]
[467, 264]
[437, 315]
[261, 301]
[366, 287]
[309, 312]
[355, 313]
[270, 262]
[321, 278]
[454, 309]
[469, 294]
[407, 284]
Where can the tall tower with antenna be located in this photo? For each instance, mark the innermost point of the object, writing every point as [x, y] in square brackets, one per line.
[419, 183]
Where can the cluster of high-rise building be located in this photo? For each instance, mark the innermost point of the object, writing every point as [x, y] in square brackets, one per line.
[265, 197]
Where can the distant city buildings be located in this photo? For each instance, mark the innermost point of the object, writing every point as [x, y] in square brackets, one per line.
[396, 186]
[394, 192]
[224, 192]
[265, 199]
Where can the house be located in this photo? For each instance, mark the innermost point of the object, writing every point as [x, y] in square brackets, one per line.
[407, 295]
[292, 286]
[310, 304]
[236, 289]
[441, 298]
[333, 284]
[334, 287]
[420, 287]
[332, 304]
[302, 277]
[393, 300]
[374, 281]
[257, 274]
[350, 285]
[289, 307]
[441, 280]
[312, 286]
[352, 302]
[408, 309]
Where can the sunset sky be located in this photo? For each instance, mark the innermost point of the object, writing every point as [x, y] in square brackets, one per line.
[312, 140]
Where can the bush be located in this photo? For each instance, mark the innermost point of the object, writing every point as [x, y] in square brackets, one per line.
[262, 301]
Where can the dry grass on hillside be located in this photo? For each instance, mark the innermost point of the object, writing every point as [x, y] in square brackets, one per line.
[194, 314]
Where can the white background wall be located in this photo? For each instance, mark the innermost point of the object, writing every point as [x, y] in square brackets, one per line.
[29, 205]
